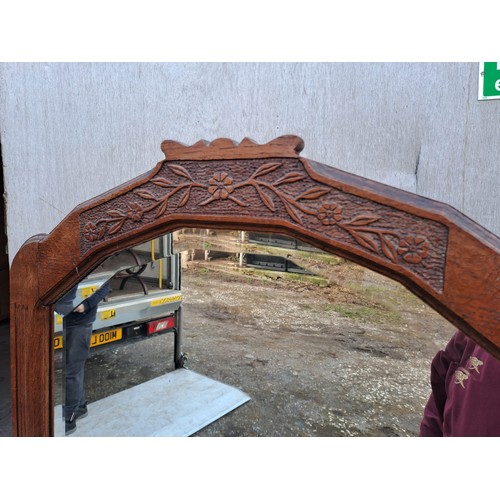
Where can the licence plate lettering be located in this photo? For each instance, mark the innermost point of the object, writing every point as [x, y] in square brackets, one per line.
[97, 338]
[106, 337]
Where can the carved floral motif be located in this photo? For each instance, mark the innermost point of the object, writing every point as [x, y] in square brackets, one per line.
[413, 249]
[91, 232]
[329, 214]
[221, 186]
[317, 201]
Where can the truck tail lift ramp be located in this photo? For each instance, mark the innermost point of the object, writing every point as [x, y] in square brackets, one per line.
[177, 404]
[146, 300]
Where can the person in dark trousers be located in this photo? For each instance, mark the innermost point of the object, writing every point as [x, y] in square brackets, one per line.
[77, 326]
[465, 397]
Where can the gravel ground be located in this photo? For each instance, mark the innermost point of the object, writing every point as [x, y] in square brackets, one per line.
[317, 361]
[347, 355]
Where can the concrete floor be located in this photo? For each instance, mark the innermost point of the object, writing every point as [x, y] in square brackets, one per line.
[176, 404]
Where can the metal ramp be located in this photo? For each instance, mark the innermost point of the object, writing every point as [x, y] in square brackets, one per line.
[176, 404]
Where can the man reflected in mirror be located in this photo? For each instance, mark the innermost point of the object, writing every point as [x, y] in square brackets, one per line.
[77, 326]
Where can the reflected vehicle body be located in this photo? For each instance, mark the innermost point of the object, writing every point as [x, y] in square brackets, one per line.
[145, 299]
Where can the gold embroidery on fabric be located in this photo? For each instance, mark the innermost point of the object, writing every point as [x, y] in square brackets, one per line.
[460, 377]
[474, 363]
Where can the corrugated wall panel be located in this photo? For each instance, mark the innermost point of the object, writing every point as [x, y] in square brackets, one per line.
[73, 130]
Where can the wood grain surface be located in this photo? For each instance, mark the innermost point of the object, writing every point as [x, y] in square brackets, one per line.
[443, 257]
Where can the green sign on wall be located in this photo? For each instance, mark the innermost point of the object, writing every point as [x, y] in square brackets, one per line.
[489, 80]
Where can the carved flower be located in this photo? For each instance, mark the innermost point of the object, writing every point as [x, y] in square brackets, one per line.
[413, 249]
[91, 232]
[135, 211]
[221, 186]
[329, 214]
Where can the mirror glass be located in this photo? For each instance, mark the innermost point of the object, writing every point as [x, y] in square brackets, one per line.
[322, 346]
[132, 296]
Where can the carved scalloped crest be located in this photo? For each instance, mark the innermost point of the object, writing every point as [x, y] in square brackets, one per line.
[286, 146]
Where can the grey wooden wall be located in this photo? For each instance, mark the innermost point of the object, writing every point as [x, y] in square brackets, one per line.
[70, 131]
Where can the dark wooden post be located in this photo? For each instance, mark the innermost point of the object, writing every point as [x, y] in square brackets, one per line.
[31, 348]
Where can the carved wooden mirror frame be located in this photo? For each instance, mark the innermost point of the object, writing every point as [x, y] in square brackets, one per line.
[440, 255]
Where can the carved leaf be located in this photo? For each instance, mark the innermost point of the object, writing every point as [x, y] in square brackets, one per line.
[237, 201]
[185, 198]
[290, 177]
[161, 181]
[266, 169]
[364, 240]
[116, 214]
[292, 213]
[179, 170]
[144, 193]
[207, 201]
[162, 208]
[266, 199]
[363, 220]
[116, 227]
[388, 248]
[102, 231]
[314, 193]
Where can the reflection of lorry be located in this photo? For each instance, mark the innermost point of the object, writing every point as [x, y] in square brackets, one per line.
[145, 299]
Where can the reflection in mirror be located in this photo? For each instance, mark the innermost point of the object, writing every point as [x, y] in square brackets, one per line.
[323, 346]
[143, 300]
[77, 312]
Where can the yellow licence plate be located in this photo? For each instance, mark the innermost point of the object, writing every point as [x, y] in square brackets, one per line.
[98, 338]
[58, 342]
[106, 337]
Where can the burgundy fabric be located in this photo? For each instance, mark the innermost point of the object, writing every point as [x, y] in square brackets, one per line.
[465, 398]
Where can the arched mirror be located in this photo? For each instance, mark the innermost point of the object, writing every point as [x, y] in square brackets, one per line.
[435, 252]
